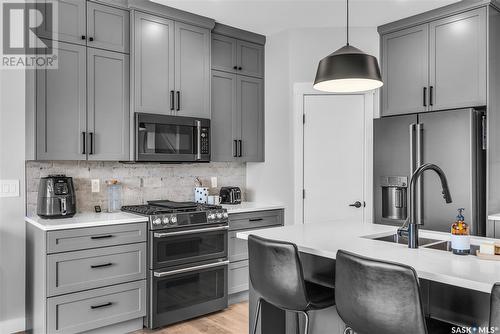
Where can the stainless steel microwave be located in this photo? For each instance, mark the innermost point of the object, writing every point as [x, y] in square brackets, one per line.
[165, 138]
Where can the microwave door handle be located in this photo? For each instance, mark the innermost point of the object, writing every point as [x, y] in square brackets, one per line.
[198, 140]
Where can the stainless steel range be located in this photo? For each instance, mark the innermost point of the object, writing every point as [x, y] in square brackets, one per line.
[188, 264]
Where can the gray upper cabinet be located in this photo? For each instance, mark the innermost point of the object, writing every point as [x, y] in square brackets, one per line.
[154, 64]
[405, 59]
[108, 105]
[435, 66]
[458, 60]
[71, 22]
[251, 108]
[108, 28]
[225, 118]
[61, 106]
[192, 70]
[224, 53]
[250, 57]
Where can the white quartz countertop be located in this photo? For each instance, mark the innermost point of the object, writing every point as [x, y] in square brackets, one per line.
[251, 206]
[85, 220]
[326, 239]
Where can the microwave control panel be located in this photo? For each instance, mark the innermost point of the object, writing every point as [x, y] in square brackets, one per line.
[205, 141]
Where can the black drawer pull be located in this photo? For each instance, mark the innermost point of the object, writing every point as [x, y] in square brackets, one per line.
[102, 305]
[255, 219]
[101, 237]
[101, 265]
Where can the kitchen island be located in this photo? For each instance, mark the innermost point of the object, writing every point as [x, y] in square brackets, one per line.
[454, 288]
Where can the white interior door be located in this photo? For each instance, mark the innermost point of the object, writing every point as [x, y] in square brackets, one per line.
[334, 158]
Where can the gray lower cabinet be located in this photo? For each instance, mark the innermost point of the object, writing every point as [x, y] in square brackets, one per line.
[238, 279]
[435, 66]
[61, 106]
[237, 117]
[108, 115]
[86, 278]
[87, 310]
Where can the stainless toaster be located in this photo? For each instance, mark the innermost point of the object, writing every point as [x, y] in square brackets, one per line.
[230, 195]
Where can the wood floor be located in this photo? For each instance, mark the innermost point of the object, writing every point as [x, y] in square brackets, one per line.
[233, 320]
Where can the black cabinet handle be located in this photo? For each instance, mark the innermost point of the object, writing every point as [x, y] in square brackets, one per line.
[424, 95]
[102, 305]
[101, 265]
[172, 98]
[96, 237]
[91, 39]
[178, 101]
[83, 37]
[239, 68]
[91, 135]
[240, 143]
[84, 140]
[235, 154]
[255, 219]
[235, 67]
[431, 95]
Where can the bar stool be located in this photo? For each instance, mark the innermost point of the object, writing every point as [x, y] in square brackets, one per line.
[495, 306]
[277, 276]
[378, 297]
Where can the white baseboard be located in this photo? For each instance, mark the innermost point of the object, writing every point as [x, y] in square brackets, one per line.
[12, 325]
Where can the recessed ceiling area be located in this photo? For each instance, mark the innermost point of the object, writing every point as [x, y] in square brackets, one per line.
[269, 17]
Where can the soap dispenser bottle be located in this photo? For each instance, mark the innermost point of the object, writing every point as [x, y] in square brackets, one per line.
[460, 237]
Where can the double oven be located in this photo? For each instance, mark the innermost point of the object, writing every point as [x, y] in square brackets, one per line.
[188, 265]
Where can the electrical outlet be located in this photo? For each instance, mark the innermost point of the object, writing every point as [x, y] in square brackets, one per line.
[95, 185]
[9, 188]
[213, 181]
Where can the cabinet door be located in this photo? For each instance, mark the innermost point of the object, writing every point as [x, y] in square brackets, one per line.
[250, 59]
[458, 60]
[225, 121]
[224, 55]
[250, 100]
[192, 70]
[71, 22]
[108, 27]
[61, 106]
[108, 105]
[153, 64]
[405, 71]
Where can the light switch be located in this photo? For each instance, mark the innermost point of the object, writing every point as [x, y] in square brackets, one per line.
[9, 188]
[95, 185]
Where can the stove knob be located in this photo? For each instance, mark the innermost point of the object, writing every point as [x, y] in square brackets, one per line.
[211, 216]
[225, 215]
[219, 215]
[165, 221]
[156, 221]
[173, 220]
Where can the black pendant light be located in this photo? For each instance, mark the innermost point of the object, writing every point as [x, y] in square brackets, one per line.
[348, 70]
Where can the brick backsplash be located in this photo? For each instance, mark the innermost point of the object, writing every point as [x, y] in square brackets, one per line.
[140, 182]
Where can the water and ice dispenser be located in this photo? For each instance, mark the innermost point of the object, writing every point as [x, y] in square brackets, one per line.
[394, 195]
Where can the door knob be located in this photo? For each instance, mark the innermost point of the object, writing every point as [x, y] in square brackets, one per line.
[357, 204]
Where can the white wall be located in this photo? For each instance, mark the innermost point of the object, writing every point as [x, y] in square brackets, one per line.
[292, 57]
[12, 152]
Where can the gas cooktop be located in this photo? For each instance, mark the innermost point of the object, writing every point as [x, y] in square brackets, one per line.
[170, 214]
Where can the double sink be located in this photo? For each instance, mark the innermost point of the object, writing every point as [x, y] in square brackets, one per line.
[442, 245]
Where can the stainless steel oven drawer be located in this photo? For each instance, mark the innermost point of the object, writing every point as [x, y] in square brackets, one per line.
[256, 219]
[83, 311]
[88, 269]
[93, 237]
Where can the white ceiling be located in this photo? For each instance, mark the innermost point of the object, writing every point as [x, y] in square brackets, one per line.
[268, 17]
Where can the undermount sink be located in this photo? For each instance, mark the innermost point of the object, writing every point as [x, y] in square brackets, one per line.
[403, 240]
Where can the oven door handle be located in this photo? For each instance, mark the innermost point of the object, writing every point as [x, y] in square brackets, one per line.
[198, 140]
[190, 269]
[209, 229]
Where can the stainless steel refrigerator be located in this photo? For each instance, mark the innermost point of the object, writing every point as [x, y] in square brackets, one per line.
[453, 140]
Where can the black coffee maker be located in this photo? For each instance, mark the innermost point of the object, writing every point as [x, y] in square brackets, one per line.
[56, 197]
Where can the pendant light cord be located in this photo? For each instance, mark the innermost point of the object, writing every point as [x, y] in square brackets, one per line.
[347, 14]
